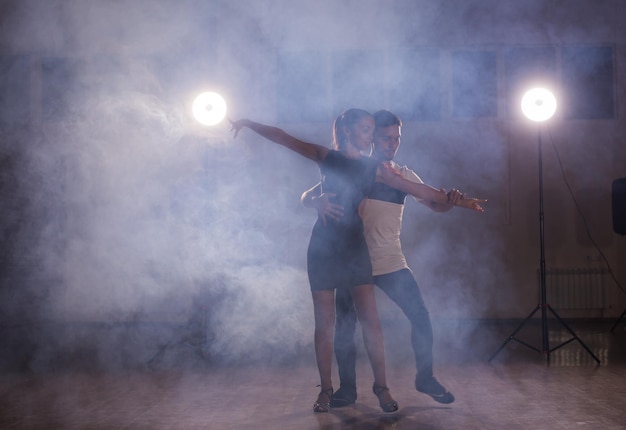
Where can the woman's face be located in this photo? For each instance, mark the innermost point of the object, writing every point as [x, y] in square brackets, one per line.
[361, 134]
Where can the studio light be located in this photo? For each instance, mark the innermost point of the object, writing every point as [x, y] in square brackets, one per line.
[209, 108]
[539, 104]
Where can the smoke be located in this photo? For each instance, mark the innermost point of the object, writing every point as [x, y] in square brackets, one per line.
[128, 211]
[133, 213]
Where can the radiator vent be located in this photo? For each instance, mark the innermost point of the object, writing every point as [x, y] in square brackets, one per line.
[576, 288]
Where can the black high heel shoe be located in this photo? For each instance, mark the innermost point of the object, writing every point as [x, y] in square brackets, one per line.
[390, 406]
[320, 406]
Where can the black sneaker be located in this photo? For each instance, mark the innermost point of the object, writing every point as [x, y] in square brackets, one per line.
[435, 390]
[343, 397]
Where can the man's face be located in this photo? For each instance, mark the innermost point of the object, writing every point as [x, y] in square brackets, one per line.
[386, 142]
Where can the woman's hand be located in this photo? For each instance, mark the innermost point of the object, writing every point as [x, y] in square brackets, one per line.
[235, 126]
[454, 196]
[470, 203]
[387, 173]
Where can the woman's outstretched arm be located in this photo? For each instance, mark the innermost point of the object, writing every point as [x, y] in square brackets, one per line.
[311, 151]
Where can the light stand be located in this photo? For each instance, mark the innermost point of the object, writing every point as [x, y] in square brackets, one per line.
[539, 105]
[618, 321]
[618, 203]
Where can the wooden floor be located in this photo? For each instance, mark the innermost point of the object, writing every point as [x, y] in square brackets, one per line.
[518, 389]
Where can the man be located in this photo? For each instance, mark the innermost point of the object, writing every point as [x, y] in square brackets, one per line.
[382, 218]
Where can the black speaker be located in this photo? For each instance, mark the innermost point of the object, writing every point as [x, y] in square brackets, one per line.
[619, 205]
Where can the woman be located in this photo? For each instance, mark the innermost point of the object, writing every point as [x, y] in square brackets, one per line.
[337, 256]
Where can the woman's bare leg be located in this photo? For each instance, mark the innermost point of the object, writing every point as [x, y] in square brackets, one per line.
[367, 312]
[324, 311]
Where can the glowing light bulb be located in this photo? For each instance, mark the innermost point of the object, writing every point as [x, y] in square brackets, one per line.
[538, 104]
[209, 108]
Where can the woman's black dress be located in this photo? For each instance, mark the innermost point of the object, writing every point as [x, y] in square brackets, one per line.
[337, 256]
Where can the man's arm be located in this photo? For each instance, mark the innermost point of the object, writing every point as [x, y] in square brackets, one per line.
[314, 198]
[312, 193]
[453, 196]
[394, 179]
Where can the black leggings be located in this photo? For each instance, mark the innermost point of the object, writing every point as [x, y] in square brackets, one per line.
[402, 288]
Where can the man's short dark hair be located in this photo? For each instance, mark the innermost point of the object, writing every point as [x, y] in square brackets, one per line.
[385, 118]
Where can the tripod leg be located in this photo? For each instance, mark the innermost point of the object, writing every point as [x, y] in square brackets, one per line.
[618, 321]
[512, 335]
[573, 334]
[159, 353]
